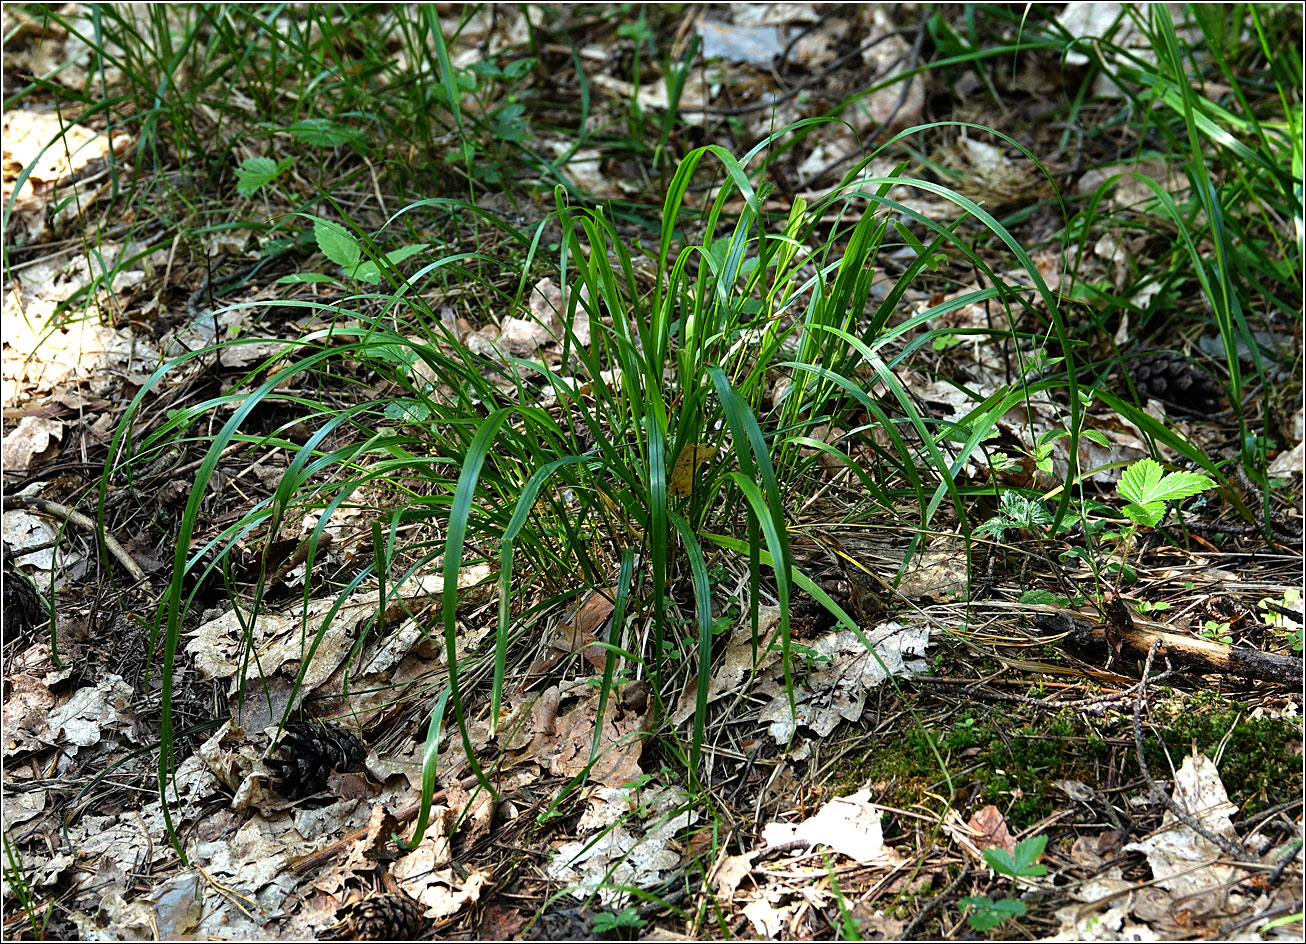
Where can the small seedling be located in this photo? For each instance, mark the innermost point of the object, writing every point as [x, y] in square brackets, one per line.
[1147, 606]
[1147, 488]
[1021, 864]
[340, 246]
[986, 913]
[1285, 625]
[606, 922]
[1217, 630]
[1016, 511]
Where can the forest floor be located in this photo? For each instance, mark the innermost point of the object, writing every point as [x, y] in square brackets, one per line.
[1017, 741]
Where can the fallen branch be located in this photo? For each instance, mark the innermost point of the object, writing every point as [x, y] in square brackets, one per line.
[1204, 655]
[74, 517]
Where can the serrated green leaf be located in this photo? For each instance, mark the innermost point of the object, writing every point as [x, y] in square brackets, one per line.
[407, 410]
[1148, 515]
[403, 252]
[1145, 482]
[337, 243]
[1000, 861]
[370, 272]
[1021, 864]
[1028, 851]
[367, 271]
[988, 914]
[255, 172]
[1180, 485]
[1137, 482]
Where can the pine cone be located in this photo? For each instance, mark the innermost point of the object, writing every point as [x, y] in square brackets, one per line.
[383, 916]
[311, 752]
[1174, 380]
[23, 607]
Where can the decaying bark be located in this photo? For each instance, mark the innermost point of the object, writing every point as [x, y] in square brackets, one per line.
[1204, 655]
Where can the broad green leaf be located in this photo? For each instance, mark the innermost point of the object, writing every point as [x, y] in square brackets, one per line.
[403, 252]
[367, 271]
[1021, 865]
[987, 914]
[255, 172]
[1028, 851]
[1147, 488]
[1148, 515]
[324, 132]
[337, 243]
[370, 272]
[1180, 485]
[1139, 481]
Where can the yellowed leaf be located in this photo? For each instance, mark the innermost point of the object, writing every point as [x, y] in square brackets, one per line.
[693, 456]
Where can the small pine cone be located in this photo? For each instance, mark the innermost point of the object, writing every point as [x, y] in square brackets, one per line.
[384, 916]
[23, 607]
[311, 752]
[1175, 381]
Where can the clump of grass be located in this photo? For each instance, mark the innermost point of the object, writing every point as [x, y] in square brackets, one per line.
[21, 889]
[684, 365]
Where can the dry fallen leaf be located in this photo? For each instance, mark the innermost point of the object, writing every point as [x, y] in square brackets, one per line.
[849, 825]
[579, 628]
[32, 442]
[991, 829]
[693, 456]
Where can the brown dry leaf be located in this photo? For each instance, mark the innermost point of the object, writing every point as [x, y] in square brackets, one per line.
[27, 703]
[70, 148]
[733, 870]
[652, 96]
[579, 628]
[34, 441]
[548, 304]
[876, 925]
[990, 829]
[523, 336]
[362, 856]
[768, 921]
[692, 457]
[1182, 861]
[833, 687]
[500, 923]
[431, 854]
[445, 893]
[89, 714]
[471, 811]
[1093, 18]
[941, 573]
[616, 850]
[620, 741]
